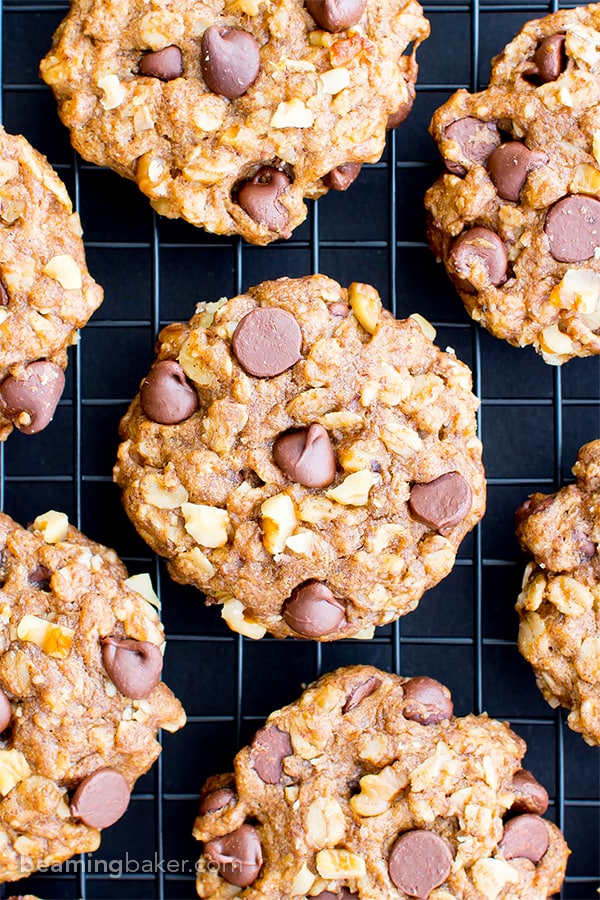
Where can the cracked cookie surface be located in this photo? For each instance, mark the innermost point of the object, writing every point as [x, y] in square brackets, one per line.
[369, 787]
[559, 605]
[79, 641]
[229, 114]
[303, 458]
[516, 219]
[46, 292]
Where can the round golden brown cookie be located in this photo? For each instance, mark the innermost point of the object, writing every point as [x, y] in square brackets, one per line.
[81, 699]
[46, 292]
[516, 219]
[304, 459]
[559, 605]
[369, 787]
[229, 114]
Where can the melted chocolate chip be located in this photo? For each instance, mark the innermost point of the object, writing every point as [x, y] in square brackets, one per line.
[216, 800]
[549, 60]
[267, 342]
[312, 610]
[419, 862]
[573, 228]
[5, 711]
[443, 503]
[476, 139]
[336, 15]
[525, 837]
[509, 166]
[531, 796]
[340, 178]
[344, 894]
[338, 309]
[427, 701]
[3, 295]
[403, 110]
[101, 798]
[306, 456]
[270, 746]
[31, 400]
[535, 503]
[230, 60]
[481, 250]
[40, 578]
[166, 396]
[134, 667]
[238, 855]
[165, 64]
[360, 692]
[259, 197]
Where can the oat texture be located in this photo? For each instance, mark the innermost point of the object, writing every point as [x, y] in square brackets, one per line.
[559, 605]
[549, 303]
[320, 100]
[61, 593]
[207, 494]
[355, 779]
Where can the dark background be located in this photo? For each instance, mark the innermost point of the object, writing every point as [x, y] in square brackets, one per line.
[533, 420]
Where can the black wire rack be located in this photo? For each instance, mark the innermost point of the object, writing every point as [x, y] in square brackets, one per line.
[533, 419]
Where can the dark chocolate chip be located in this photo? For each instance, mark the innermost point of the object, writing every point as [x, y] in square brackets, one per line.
[313, 611]
[360, 692]
[477, 141]
[340, 178]
[587, 547]
[270, 746]
[481, 249]
[259, 197]
[5, 711]
[442, 503]
[344, 894]
[40, 577]
[267, 342]
[306, 456]
[134, 667]
[403, 110]
[238, 855]
[549, 60]
[230, 60]
[167, 397]
[165, 64]
[101, 798]
[419, 862]
[339, 309]
[31, 400]
[3, 295]
[525, 837]
[509, 166]
[216, 800]
[531, 796]
[336, 15]
[573, 228]
[535, 503]
[427, 701]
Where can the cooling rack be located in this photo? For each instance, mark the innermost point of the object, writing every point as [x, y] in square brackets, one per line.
[533, 418]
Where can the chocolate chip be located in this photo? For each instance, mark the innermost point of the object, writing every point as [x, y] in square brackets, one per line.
[101, 798]
[3, 295]
[134, 667]
[340, 178]
[167, 397]
[509, 166]
[30, 401]
[419, 862]
[549, 60]
[427, 701]
[270, 746]
[165, 64]
[531, 796]
[476, 139]
[306, 456]
[533, 504]
[238, 855]
[336, 15]
[403, 110]
[482, 250]
[267, 342]
[338, 309]
[230, 60]
[573, 228]
[586, 546]
[329, 895]
[40, 577]
[442, 503]
[360, 692]
[525, 837]
[259, 197]
[312, 610]
[5, 711]
[216, 800]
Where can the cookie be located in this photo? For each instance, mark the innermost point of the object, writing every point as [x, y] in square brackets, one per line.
[369, 787]
[81, 699]
[46, 292]
[230, 114]
[559, 605]
[303, 458]
[516, 218]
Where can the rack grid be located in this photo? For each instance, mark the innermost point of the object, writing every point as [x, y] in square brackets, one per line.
[532, 421]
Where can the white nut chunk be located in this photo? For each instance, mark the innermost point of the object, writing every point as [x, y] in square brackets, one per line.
[332, 863]
[366, 304]
[279, 522]
[325, 823]
[113, 90]
[64, 269]
[13, 769]
[334, 80]
[292, 114]
[53, 526]
[235, 615]
[492, 876]
[208, 525]
[303, 881]
[142, 585]
[354, 489]
[578, 289]
[55, 640]
[425, 325]
[377, 792]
